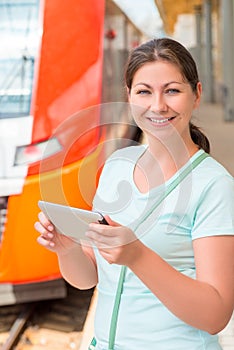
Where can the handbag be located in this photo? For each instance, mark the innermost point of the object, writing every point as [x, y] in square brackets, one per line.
[169, 189]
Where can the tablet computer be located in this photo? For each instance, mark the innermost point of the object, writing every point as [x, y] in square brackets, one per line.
[70, 221]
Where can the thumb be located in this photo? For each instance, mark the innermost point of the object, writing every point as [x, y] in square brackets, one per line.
[111, 222]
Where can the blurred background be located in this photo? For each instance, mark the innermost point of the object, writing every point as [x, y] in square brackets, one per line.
[59, 62]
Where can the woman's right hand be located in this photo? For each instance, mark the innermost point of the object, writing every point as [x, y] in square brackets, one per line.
[50, 238]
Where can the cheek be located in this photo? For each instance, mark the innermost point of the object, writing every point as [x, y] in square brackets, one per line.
[134, 100]
[136, 111]
[138, 105]
[138, 114]
[183, 106]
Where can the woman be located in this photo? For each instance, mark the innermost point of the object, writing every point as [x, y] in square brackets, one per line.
[178, 290]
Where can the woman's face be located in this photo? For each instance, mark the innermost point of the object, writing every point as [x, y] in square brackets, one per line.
[162, 102]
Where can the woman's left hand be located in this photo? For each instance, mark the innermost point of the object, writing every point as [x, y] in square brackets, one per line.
[117, 244]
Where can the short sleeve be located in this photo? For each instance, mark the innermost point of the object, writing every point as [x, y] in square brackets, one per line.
[113, 190]
[103, 188]
[215, 211]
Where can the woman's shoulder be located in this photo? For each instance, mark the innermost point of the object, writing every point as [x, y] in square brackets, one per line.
[212, 176]
[214, 169]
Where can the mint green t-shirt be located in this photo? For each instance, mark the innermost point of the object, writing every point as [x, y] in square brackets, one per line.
[202, 205]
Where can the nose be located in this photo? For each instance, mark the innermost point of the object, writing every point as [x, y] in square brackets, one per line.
[158, 103]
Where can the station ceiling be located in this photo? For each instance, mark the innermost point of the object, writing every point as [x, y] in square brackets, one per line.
[170, 9]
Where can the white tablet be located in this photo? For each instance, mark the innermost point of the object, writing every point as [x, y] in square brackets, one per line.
[70, 221]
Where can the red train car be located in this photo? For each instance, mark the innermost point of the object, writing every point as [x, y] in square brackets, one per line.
[52, 141]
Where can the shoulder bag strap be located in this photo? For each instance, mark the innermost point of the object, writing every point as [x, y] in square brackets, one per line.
[119, 290]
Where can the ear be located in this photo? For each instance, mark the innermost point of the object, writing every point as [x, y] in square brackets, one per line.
[198, 95]
[128, 93]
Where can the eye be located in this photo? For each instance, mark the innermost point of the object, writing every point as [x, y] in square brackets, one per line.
[172, 91]
[142, 92]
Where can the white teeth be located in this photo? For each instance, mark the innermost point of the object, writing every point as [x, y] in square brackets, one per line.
[160, 121]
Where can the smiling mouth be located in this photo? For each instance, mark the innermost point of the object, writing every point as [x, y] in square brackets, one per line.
[161, 121]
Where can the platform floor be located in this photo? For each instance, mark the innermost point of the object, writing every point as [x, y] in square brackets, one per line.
[221, 135]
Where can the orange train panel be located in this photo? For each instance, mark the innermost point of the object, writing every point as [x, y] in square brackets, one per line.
[69, 66]
[22, 259]
[68, 73]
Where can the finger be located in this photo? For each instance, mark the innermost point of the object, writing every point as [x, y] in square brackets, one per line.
[94, 235]
[97, 239]
[42, 230]
[45, 221]
[106, 255]
[111, 222]
[104, 230]
[105, 241]
[44, 242]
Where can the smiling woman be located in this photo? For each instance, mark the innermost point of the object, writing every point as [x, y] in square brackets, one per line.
[168, 75]
[168, 249]
[165, 99]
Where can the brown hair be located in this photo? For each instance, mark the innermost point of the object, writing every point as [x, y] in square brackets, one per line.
[166, 49]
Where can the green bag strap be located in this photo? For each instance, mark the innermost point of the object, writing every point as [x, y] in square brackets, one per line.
[175, 183]
[115, 311]
[92, 345]
[119, 290]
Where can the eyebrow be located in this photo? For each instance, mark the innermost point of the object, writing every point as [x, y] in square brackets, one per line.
[165, 85]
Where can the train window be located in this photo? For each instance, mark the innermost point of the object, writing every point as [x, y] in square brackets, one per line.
[19, 33]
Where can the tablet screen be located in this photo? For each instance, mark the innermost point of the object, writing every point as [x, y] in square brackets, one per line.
[69, 221]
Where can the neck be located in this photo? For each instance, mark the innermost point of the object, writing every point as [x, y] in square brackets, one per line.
[171, 153]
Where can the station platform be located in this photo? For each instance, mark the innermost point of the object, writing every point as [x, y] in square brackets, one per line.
[210, 118]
